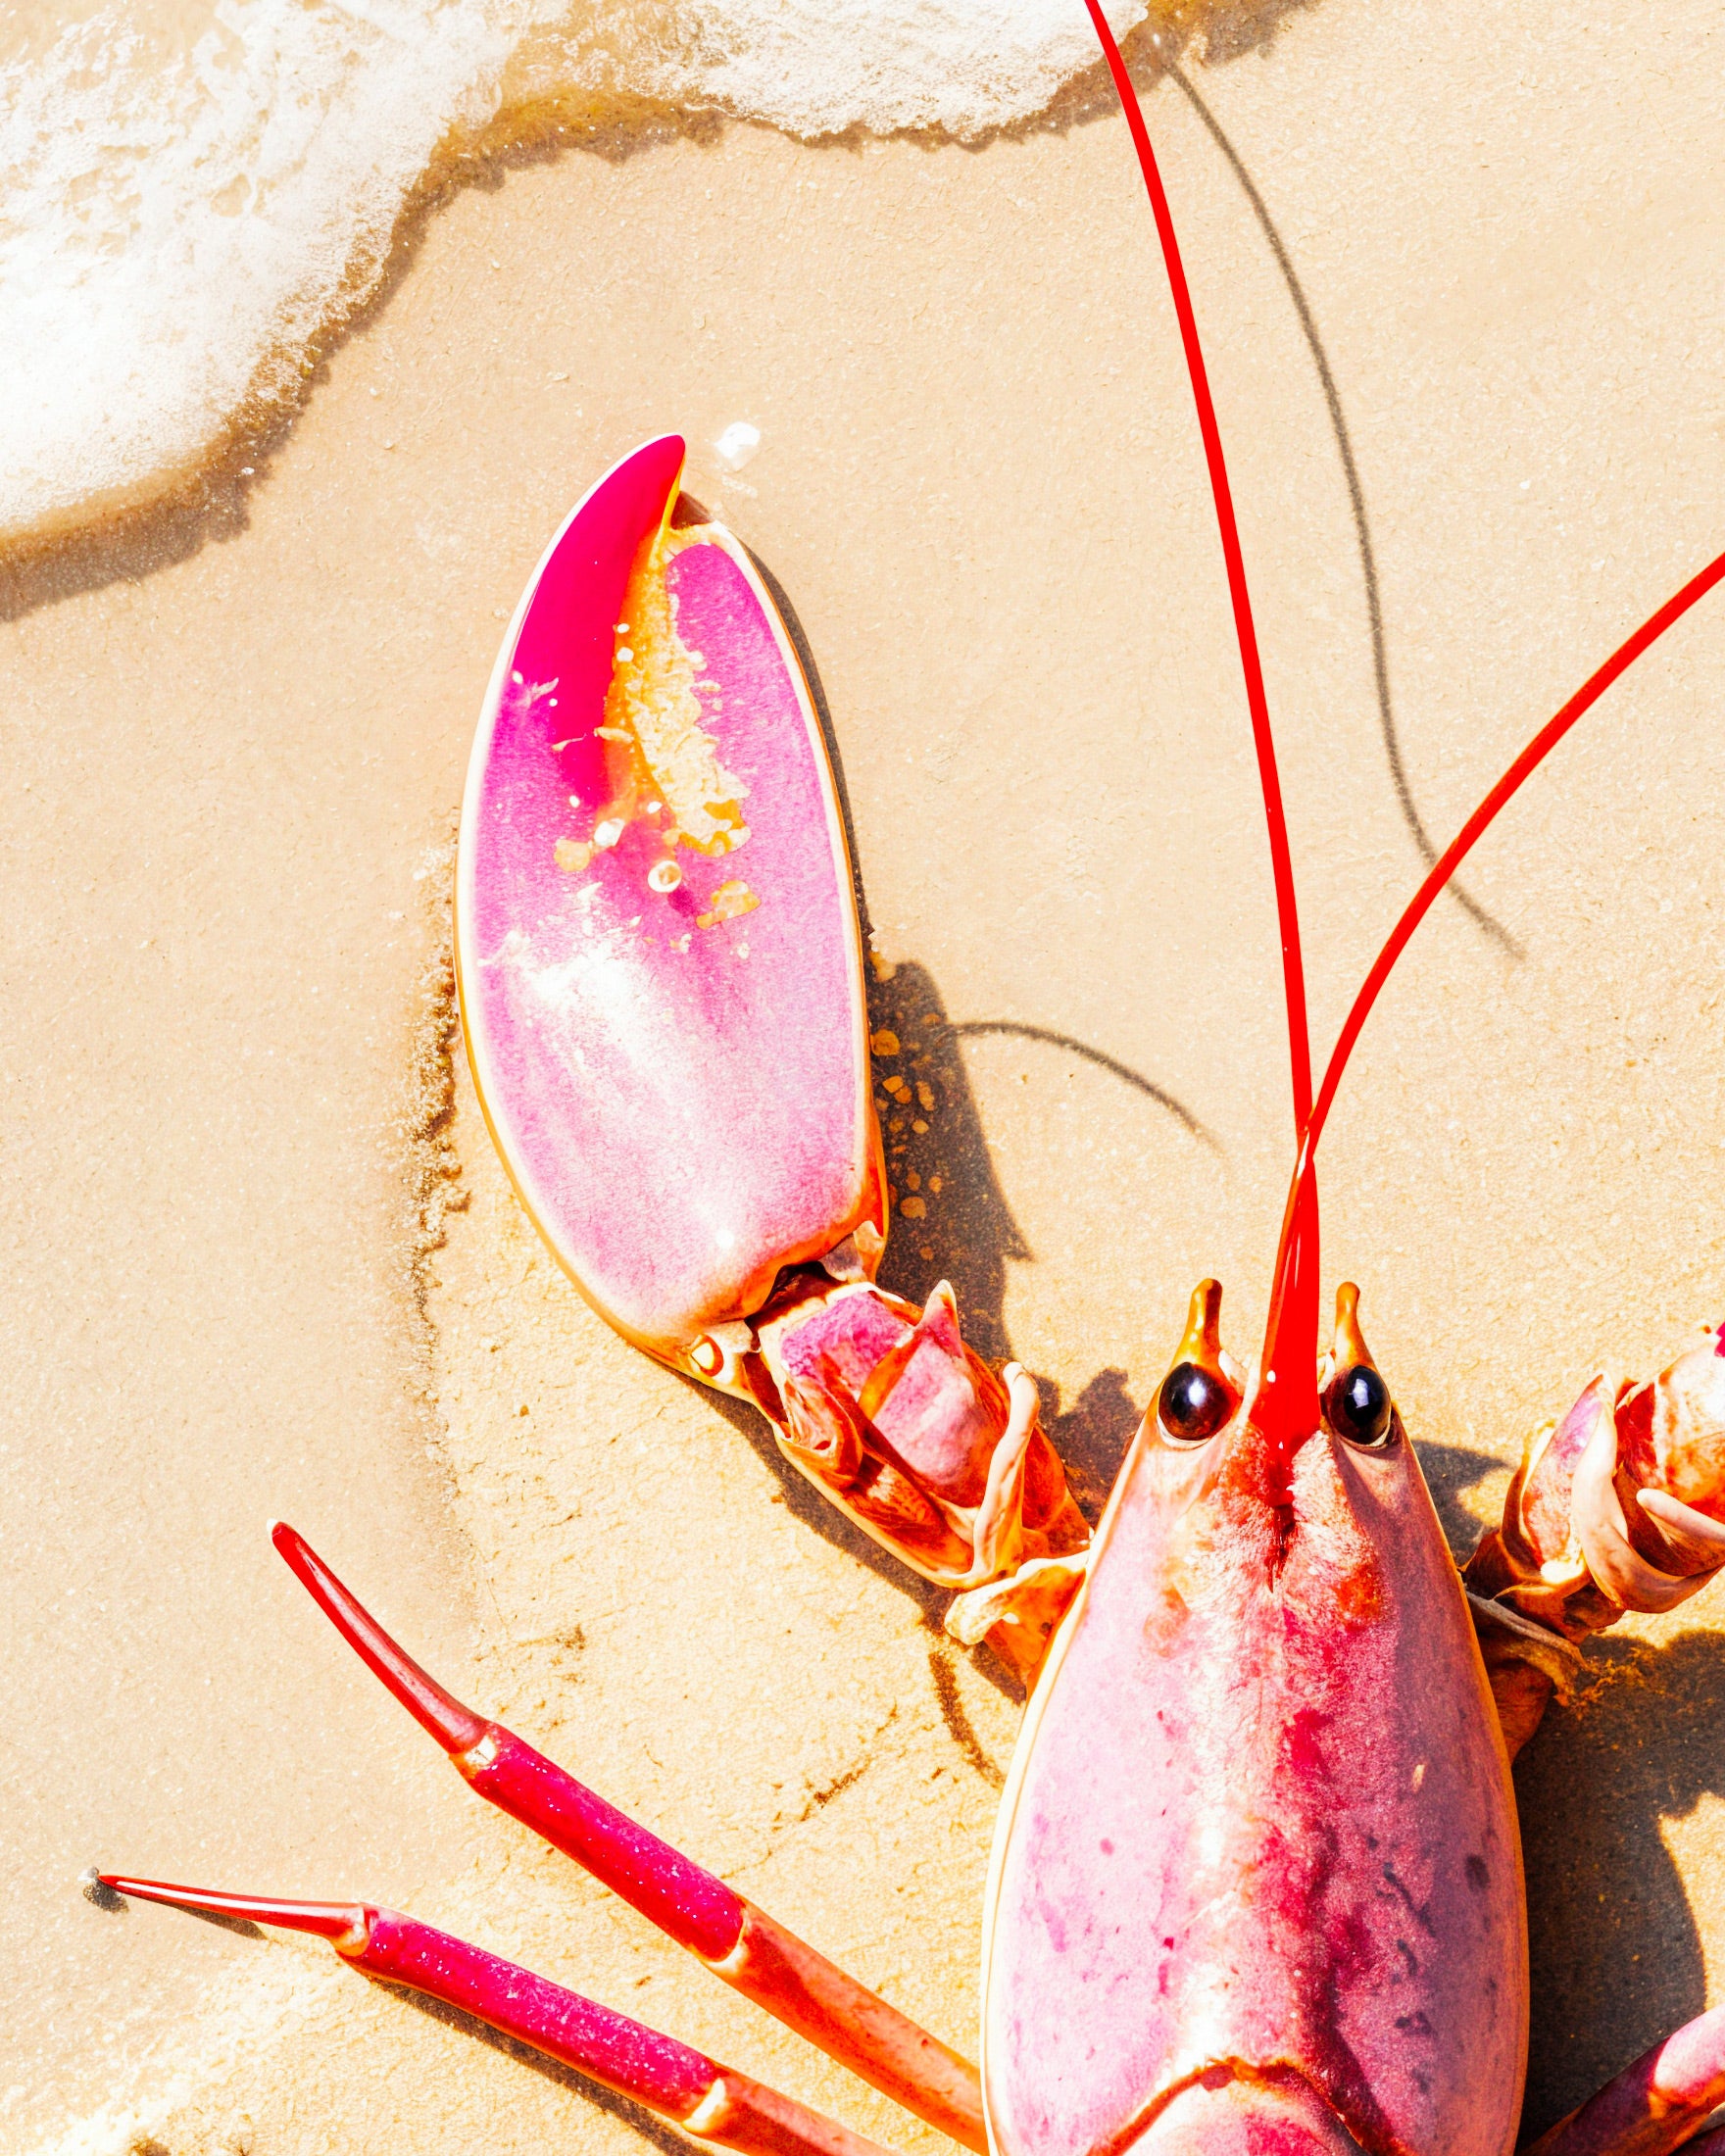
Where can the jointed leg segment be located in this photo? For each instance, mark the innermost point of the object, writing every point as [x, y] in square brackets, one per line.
[713, 2102]
[1658, 2104]
[736, 1940]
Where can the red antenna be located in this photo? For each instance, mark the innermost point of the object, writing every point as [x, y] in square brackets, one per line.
[1281, 862]
[1286, 1405]
[1510, 784]
[1286, 1408]
[1294, 1298]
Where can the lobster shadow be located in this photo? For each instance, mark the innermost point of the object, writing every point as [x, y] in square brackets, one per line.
[1617, 1959]
[1451, 1471]
[1616, 1953]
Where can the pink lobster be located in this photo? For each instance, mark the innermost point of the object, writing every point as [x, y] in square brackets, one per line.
[1256, 1880]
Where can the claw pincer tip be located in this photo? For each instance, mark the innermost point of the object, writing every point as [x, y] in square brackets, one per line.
[346, 1925]
[456, 1728]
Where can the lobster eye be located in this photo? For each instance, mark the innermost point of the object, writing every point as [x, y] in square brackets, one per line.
[1192, 1404]
[1358, 1405]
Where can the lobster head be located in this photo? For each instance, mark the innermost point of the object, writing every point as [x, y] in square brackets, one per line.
[1257, 1881]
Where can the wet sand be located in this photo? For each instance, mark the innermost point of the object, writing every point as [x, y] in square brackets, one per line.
[233, 769]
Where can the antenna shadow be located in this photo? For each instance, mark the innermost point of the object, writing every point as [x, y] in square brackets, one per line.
[1368, 568]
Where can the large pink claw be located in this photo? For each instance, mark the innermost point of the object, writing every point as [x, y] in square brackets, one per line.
[658, 958]
[661, 989]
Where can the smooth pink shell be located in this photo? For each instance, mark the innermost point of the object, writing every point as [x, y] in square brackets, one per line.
[680, 1123]
[1260, 1830]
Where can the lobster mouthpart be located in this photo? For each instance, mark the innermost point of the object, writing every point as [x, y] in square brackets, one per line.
[1257, 1866]
[657, 940]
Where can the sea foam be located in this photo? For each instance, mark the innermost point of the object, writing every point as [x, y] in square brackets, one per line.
[193, 191]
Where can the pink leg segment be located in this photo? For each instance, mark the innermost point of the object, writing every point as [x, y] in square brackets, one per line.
[703, 2098]
[736, 1940]
[1655, 2105]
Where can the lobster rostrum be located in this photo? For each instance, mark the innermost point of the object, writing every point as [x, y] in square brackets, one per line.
[1257, 1878]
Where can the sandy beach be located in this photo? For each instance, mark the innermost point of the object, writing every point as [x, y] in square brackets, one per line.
[262, 1259]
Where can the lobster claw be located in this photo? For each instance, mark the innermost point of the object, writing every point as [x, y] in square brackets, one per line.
[657, 952]
[660, 976]
[1620, 1501]
[1618, 1567]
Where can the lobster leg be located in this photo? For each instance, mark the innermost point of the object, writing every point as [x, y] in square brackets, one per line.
[888, 1412]
[1654, 2106]
[713, 2102]
[737, 1941]
[1613, 1508]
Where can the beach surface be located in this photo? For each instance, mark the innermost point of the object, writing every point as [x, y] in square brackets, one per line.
[260, 1257]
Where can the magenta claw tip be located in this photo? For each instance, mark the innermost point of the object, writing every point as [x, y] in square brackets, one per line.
[456, 1728]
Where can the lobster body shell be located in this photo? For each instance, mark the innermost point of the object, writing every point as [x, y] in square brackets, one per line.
[1258, 1876]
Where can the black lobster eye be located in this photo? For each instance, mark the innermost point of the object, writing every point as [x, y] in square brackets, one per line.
[1192, 1404]
[1357, 1404]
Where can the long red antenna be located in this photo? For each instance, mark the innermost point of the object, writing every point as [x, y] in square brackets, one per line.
[1281, 862]
[1525, 765]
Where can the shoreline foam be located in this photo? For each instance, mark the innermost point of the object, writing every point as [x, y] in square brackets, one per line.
[201, 198]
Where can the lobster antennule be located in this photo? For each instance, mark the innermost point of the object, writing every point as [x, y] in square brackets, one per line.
[741, 1944]
[1286, 1404]
[714, 2103]
[692, 1906]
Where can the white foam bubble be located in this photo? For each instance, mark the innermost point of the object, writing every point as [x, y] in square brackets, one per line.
[737, 445]
[821, 67]
[194, 187]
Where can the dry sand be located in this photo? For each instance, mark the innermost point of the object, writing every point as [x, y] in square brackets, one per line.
[233, 746]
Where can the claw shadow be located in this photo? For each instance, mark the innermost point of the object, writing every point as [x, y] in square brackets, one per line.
[1091, 1435]
[1617, 1958]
